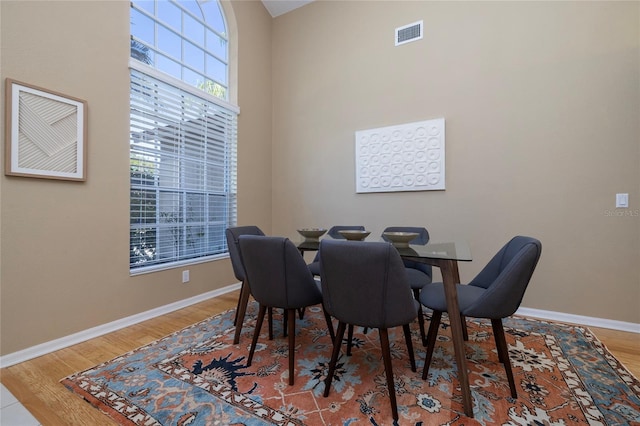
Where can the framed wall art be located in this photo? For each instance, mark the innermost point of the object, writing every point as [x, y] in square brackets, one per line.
[46, 133]
[405, 157]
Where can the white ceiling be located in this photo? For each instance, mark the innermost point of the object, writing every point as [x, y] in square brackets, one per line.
[280, 7]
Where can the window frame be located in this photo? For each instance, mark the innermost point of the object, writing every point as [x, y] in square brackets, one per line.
[138, 66]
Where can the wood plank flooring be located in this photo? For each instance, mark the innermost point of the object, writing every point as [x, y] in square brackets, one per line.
[35, 383]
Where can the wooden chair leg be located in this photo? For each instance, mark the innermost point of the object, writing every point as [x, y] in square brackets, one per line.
[301, 313]
[334, 356]
[349, 339]
[327, 318]
[242, 309]
[292, 344]
[256, 333]
[386, 356]
[242, 290]
[416, 295]
[270, 319]
[503, 353]
[285, 319]
[431, 341]
[407, 338]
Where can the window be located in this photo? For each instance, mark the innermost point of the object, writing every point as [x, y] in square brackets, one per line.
[183, 134]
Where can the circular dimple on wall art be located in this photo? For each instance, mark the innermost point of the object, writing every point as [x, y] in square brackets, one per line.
[433, 154]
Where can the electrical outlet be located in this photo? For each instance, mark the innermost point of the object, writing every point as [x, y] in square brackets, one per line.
[622, 200]
[185, 276]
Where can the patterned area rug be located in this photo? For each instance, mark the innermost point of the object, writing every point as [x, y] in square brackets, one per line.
[196, 376]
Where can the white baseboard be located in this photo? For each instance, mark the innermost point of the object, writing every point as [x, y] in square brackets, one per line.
[580, 319]
[55, 345]
[63, 342]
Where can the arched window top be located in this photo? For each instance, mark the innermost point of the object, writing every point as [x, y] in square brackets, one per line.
[185, 39]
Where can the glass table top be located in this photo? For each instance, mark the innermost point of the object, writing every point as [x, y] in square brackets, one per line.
[452, 250]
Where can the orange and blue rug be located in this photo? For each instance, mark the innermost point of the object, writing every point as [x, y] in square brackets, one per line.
[197, 376]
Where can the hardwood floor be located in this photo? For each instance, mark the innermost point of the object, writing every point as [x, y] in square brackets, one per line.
[35, 383]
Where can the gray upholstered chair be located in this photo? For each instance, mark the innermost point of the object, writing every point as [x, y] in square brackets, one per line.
[419, 274]
[279, 278]
[334, 232]
[495, 293]
[365, 284]
[232, 235]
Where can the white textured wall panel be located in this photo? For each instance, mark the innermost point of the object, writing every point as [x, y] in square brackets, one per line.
[405, 157]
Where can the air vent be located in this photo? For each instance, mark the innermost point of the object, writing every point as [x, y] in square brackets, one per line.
[409, 33]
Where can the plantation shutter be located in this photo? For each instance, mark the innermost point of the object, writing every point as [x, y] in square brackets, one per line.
[183, 172]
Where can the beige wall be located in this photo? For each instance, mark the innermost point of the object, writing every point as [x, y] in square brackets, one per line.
[542, 107]
[64, 244]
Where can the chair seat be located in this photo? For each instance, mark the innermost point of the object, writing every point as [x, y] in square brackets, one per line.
[432, 296]
[314, 267]
[417, 279]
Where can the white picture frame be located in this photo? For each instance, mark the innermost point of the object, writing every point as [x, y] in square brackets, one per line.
[45, 133]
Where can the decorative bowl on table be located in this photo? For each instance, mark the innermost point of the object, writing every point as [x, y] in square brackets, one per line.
[312, 234]
[354, 234]
[400, 239]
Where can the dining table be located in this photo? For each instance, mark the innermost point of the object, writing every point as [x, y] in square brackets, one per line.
[444, 255]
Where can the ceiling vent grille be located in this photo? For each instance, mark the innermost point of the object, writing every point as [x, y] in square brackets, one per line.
[409, 33]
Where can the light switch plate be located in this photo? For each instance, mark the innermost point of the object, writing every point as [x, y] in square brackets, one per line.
[622, 200]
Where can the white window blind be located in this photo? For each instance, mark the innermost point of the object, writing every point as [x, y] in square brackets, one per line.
[183, 173]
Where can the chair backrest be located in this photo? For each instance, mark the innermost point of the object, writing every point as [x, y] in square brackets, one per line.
[365, 284]
[277, 274]
[232, 235]
[334, 231]
[505, 278]
[422, 239]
